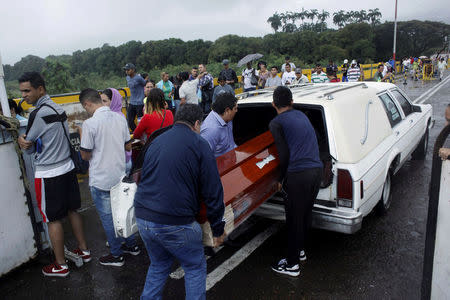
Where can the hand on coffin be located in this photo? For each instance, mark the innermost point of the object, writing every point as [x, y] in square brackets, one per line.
[219, 240]
[279, 186]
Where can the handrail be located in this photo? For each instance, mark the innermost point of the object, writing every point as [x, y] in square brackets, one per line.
[366, 133]
[329, 97]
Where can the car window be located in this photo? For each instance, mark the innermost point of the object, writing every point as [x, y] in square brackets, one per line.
[406, 106]
[391, 109]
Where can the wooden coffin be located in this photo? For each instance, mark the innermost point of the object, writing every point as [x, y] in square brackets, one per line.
[246, 185]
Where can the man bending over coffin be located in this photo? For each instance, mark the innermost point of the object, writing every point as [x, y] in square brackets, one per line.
[217, 128]
[300, 173]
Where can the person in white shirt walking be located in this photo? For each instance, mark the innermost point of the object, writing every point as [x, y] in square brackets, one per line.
[354, 72]
[288, 76]
[104, 139]
[442, 65]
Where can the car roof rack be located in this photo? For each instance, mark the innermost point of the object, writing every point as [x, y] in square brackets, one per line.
[329, 95]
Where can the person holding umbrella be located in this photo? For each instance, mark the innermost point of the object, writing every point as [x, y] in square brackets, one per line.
[248, 76]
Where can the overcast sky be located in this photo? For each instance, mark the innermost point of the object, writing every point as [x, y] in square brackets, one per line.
[44, 27]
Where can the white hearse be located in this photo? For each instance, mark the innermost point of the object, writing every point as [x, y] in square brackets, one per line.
[366, 131]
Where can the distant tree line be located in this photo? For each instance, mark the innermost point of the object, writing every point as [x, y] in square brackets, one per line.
[292, 21]
[366, 41]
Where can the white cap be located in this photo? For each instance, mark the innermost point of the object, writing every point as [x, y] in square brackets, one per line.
[345, 61]
[353, 62]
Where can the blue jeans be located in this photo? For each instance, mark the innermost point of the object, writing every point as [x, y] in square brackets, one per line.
[102, 201]
[177, 105]
[165, 243]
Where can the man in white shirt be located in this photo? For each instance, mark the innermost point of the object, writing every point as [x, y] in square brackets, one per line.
[288, 76]
[104, 139]
[247, 78]
[319, 76]
[442, 65]
[287, 60]
[300, 78]
[189, 88]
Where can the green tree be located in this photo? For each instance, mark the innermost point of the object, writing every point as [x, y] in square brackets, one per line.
[57, 77]
[274, 21]
[338, 18]
[374, 16]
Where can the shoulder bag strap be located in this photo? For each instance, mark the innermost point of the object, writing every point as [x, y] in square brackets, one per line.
[164, 117]
[62, 123]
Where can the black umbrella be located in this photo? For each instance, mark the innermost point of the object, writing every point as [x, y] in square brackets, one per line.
[249, 58]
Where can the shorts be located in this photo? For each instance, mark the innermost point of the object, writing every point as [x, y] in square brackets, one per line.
[57, 195]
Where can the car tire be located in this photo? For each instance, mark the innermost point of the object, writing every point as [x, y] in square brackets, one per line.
[421, 151]
[385, 200]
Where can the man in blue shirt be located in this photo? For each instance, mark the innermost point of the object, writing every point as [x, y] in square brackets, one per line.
[217, 128]
[179, 169]
[136, 84]
[301, 172]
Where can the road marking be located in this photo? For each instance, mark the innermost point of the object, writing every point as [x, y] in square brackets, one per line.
[227, 266]
[179, 273]
[428, 94]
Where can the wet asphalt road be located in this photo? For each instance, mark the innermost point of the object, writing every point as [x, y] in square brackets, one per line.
[381, 261]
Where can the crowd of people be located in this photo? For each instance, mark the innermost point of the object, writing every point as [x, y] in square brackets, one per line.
[179, 167]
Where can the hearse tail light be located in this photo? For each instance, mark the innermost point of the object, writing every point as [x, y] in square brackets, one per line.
[344, 188]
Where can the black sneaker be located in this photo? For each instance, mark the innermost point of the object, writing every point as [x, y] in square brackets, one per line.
[111, 260]
[282, 267]
[302, 255]
[131, 250]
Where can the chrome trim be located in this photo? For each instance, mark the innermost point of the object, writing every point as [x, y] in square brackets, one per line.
[366, 132]
[338, 220]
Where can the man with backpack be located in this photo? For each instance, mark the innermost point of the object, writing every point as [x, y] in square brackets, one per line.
[56, 184]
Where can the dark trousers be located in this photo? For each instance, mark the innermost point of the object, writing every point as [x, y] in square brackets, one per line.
[302, 189]
[132, 112]
[206, 101]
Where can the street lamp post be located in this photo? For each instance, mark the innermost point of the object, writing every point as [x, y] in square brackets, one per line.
[395, 31]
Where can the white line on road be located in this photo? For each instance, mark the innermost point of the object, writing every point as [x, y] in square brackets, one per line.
[428, 94]
[227, 266]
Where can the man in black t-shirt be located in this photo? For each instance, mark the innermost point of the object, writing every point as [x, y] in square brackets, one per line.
[228, 73]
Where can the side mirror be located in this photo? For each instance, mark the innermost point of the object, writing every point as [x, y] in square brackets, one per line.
[416, 108]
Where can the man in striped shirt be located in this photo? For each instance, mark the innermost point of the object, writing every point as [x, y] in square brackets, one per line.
[319, 76]
[354, 72]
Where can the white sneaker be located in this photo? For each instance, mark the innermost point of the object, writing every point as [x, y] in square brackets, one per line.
[302, 255]
[283, 268]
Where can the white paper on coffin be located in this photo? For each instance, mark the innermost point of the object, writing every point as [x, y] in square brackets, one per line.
[228, 217]
[122, 207]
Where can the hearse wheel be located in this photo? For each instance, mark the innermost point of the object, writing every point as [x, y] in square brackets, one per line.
[385, 201]
[421, 151]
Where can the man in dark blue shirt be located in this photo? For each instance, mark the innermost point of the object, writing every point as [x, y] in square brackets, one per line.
[179, 168]
[301, 172]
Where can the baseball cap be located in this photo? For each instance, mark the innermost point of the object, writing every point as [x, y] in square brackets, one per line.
[225, 62]
[345, 61]
[353, 62]
[298, 71]
[129, 66]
